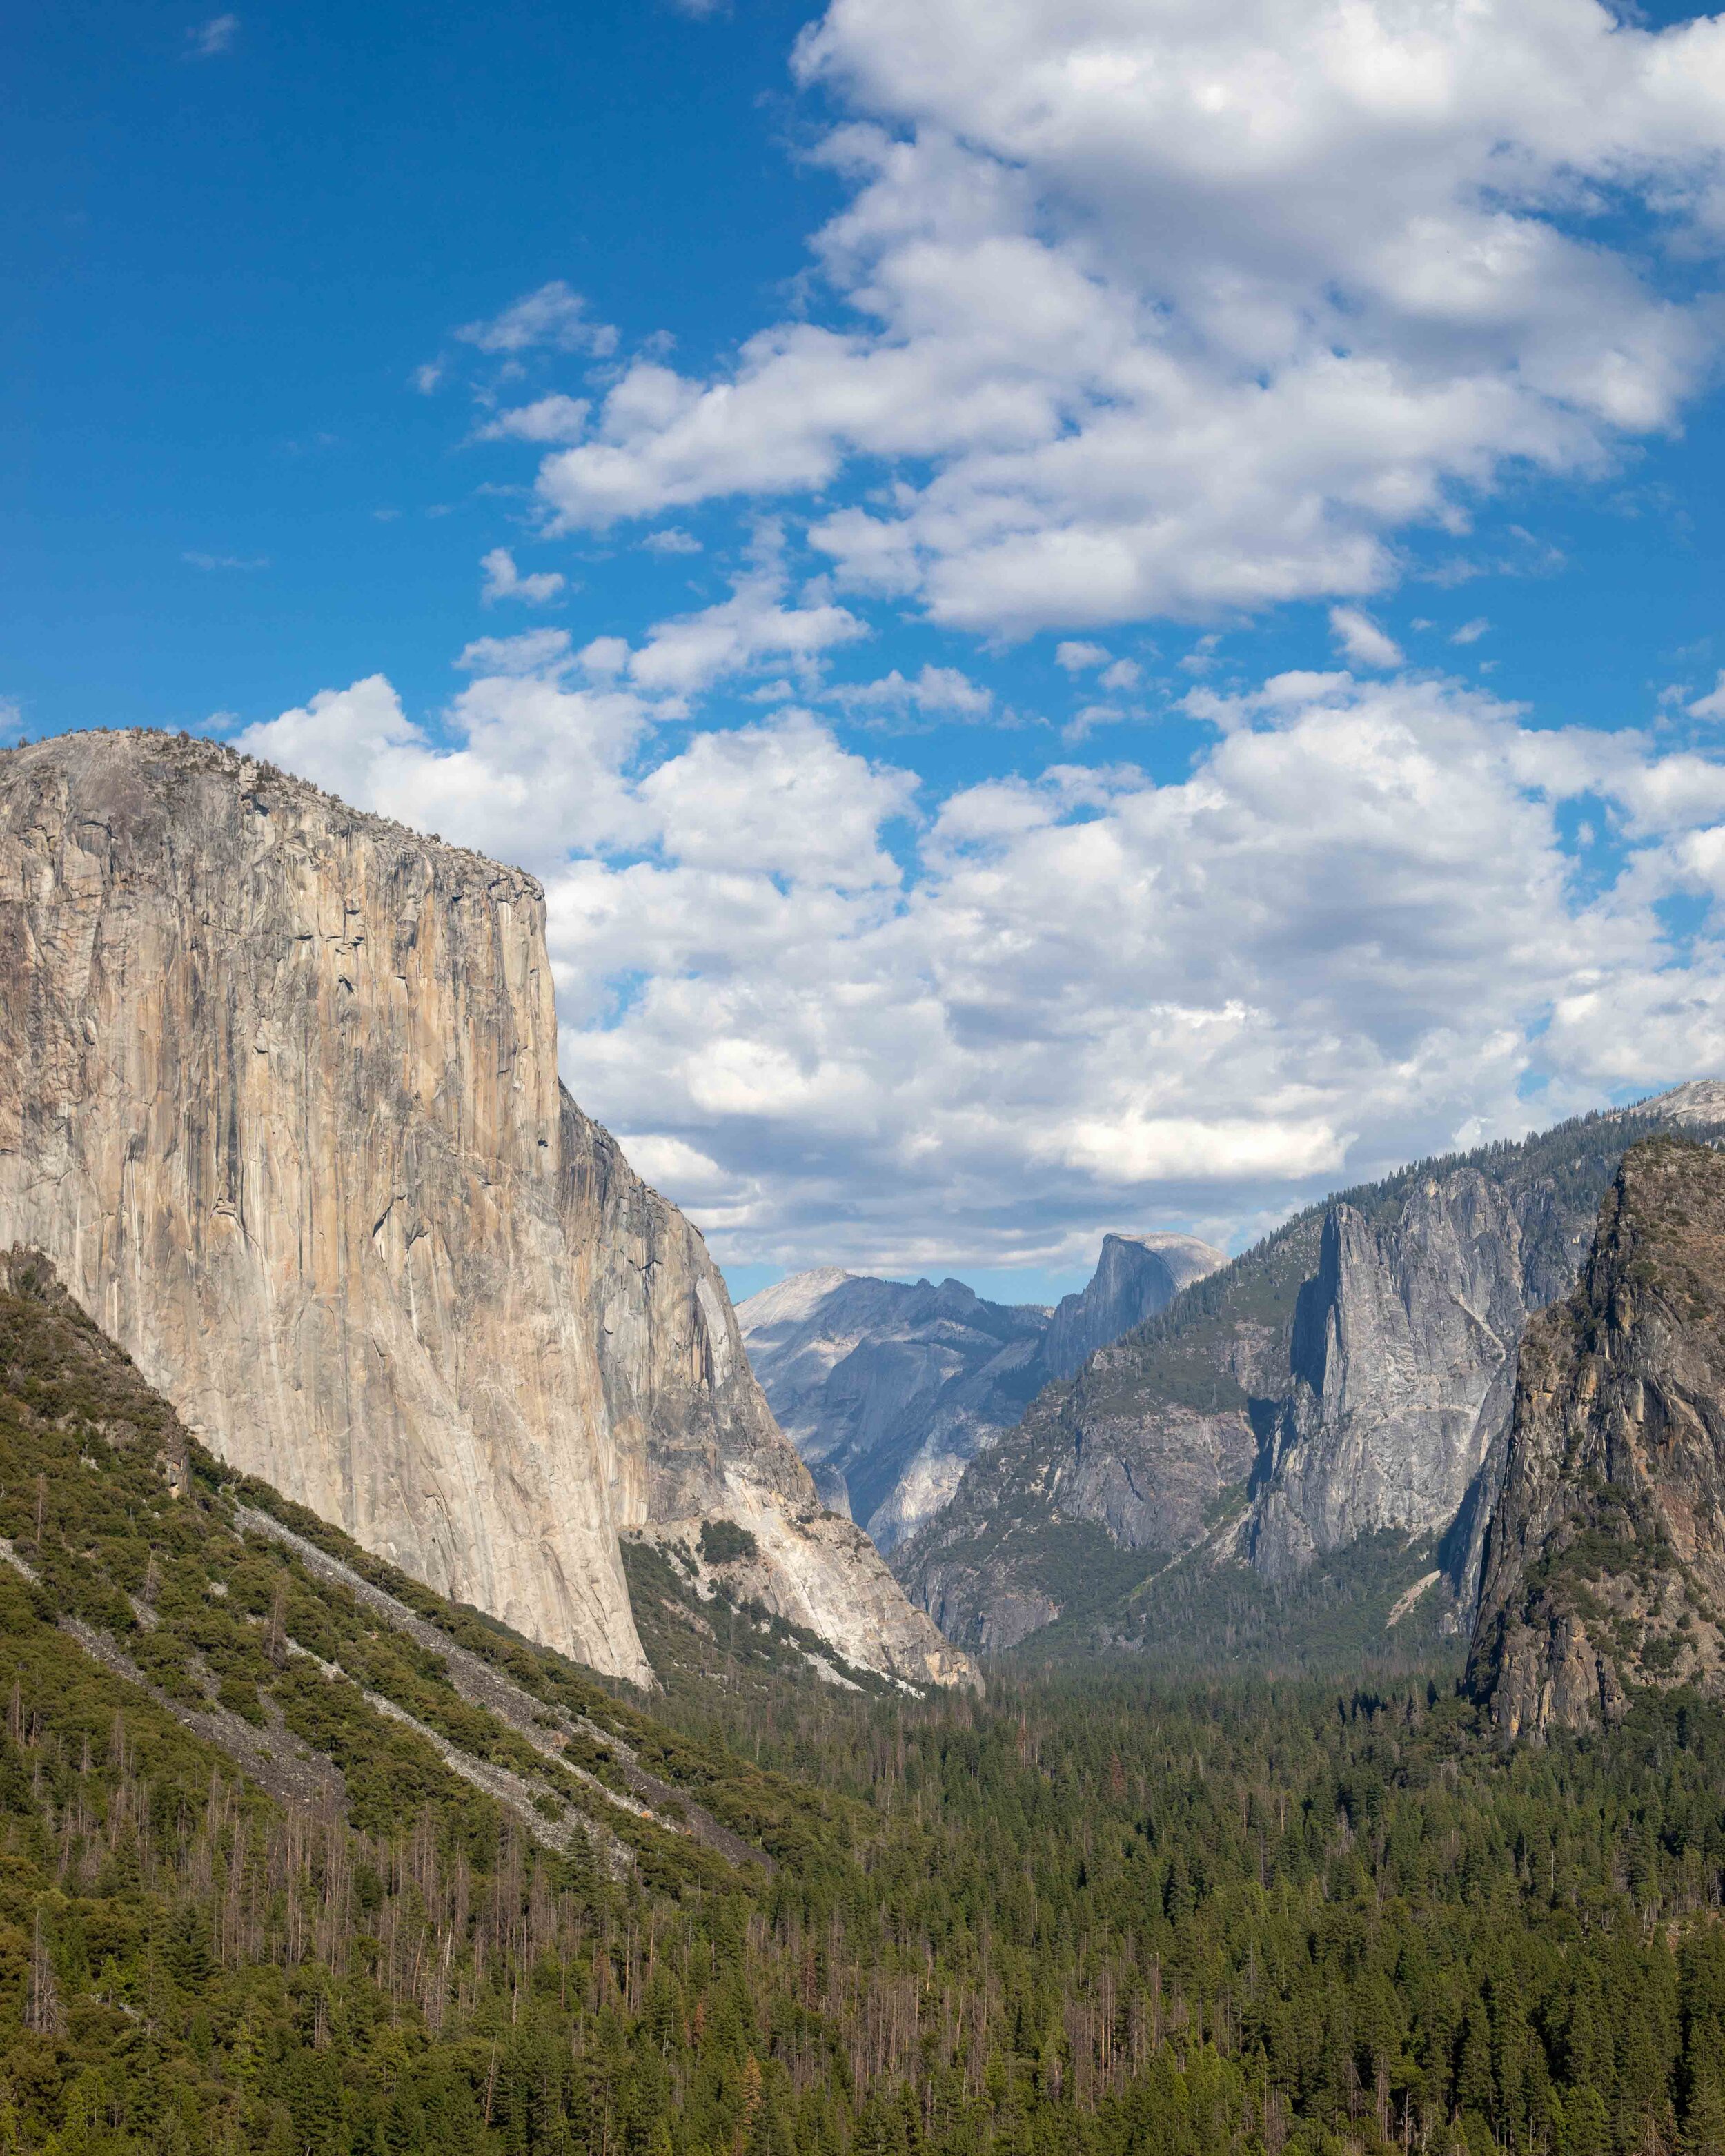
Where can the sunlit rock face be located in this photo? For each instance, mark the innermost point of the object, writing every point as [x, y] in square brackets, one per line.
[278, 1095]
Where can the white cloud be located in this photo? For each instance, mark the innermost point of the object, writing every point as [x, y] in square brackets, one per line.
[1713, 704]
[554, 318]
[779, 799]
[605, 657]
[691, 651]
[503, 581]
[1122, 677]
[671, 541]
[528, 768]
[212, 37]
[937, 692]
[226, 561]
[554, 419]
[535, 651]
[1078, 658]
[1362, 639]
[1470, 632]
[1175, 309]
[849, 1024]
[426, 377]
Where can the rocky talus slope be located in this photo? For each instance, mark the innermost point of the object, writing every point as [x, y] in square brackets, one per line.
[888, 1388]
[1346, 1383]
[1606, 1561]
[279, 1097]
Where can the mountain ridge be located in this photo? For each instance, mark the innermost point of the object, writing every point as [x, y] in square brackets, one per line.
[1208, 1414]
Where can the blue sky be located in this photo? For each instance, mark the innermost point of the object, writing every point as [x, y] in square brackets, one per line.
[1099, 615]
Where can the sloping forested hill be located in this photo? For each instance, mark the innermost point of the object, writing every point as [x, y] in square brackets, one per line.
[286, 1867]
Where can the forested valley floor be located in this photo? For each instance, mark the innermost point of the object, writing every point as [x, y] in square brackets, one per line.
[758, 1915]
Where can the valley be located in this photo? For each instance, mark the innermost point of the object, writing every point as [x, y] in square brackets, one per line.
[445, 1712]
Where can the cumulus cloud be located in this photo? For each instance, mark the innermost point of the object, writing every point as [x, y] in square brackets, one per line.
[1172, 310]
[537, 651]
[848, 1022]
[691, 651]
[1713, 704]
[503, 581]
[525, 768]
[937, 692]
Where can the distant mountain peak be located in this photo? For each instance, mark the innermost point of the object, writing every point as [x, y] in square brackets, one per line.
[1697, 1101]
[887, 1388]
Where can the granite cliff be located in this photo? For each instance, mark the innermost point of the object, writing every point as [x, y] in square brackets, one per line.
[1344, 1385]
[888, 1388]
[1136, 1276]
[1605, 1561]
[278, 1098]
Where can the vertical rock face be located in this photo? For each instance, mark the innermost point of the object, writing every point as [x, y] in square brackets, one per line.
[278, 1098]
[1136, 1276]
[1605, 1561]
[888, 1388]
[1402, 1361]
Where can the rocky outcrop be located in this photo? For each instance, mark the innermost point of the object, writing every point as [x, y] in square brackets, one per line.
[1136, 1276]
[1606, 1561]
[279, 1097]
[887, 1388]
[1354, 1373]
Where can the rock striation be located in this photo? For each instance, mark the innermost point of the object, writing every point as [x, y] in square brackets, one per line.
[1402, 1362]
[1606, 1561]
[1349, 1379]
[278, 1098]
[888, 1388]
